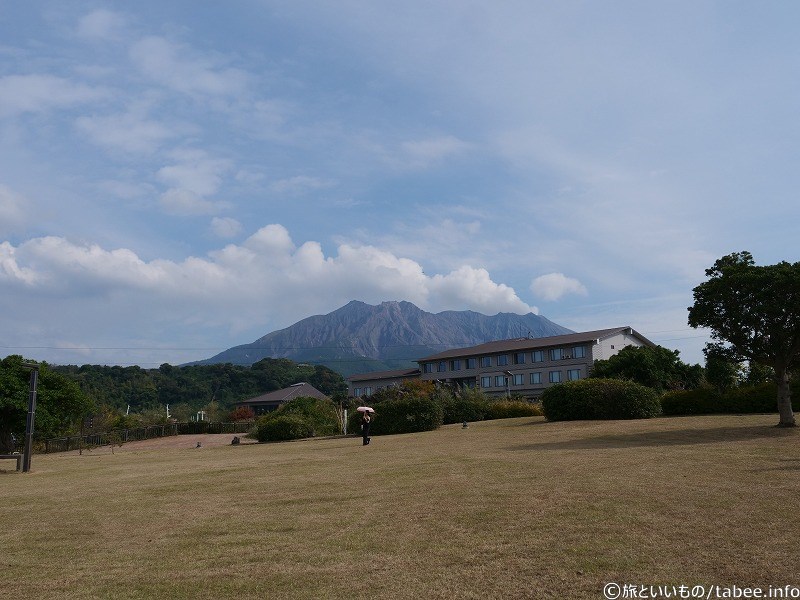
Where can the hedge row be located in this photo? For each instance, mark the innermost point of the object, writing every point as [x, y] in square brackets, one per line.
[599, 399]
[746, 400]
[412, 413]
[477, 407]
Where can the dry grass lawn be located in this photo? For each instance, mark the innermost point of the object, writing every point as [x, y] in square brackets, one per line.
[518, 508]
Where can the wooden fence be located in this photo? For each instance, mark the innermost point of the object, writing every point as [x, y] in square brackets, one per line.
[141, 433]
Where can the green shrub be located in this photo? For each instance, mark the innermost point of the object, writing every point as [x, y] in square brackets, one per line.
[744, 400]
[299, 418]
[467, 405]
[319, 413]
[599, 399]
[283, 427]
[407, 415]
[509, 409]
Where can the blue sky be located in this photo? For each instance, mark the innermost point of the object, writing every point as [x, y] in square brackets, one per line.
[180, 177]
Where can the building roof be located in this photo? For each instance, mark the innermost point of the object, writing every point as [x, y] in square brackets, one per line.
[290, 393]
[532, 343]
[375, 375]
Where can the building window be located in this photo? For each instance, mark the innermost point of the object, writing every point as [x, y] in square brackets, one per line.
[500, 380]
[455, 365]
[556, 353]
[555, 376]
[486, 361]
[518, 379]
[469, 383]
[486, 382]
[368, 391]
[442, 366]
[519, 358]
[573, 374]
[427, 368]
[356, 392]
[536, 378]
[502, 360]
[472, 363]
[579, 352]
[537, 356]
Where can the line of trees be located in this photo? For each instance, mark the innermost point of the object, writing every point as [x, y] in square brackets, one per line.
[196, 385]
[70, 396]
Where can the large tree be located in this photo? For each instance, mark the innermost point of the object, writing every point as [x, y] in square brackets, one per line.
[753, 313]
[655, 367]
[60, 402]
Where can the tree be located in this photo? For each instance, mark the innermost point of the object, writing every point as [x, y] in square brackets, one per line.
[721, 372]
[756, 374]
[753, 313]
[242, 413]
[181, 412]
[60, 402]
[657, 367]
[214, 412]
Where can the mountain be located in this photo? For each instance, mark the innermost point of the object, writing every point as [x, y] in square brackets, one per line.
[359, 337]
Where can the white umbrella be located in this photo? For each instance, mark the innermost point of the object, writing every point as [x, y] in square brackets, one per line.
[365, 409]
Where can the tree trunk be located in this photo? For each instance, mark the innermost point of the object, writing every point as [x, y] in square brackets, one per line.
[784, 400]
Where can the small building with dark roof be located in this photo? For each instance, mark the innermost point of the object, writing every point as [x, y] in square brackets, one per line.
[272, 400]
[366, 384]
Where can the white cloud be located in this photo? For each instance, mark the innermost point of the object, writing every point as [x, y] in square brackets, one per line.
[101, 24]
[475, 286]
[233, 285]
[183, 70]
[34, 93]
[11, 271]
[556, 285]
[225, 227]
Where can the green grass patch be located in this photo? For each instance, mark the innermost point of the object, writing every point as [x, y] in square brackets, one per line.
[509, 508]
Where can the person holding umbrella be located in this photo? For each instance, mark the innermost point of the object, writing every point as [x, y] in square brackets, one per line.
[366, 420]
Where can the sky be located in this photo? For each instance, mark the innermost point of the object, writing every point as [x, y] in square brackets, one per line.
[180, 177]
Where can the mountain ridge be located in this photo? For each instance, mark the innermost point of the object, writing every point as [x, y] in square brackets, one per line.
[359, 337]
